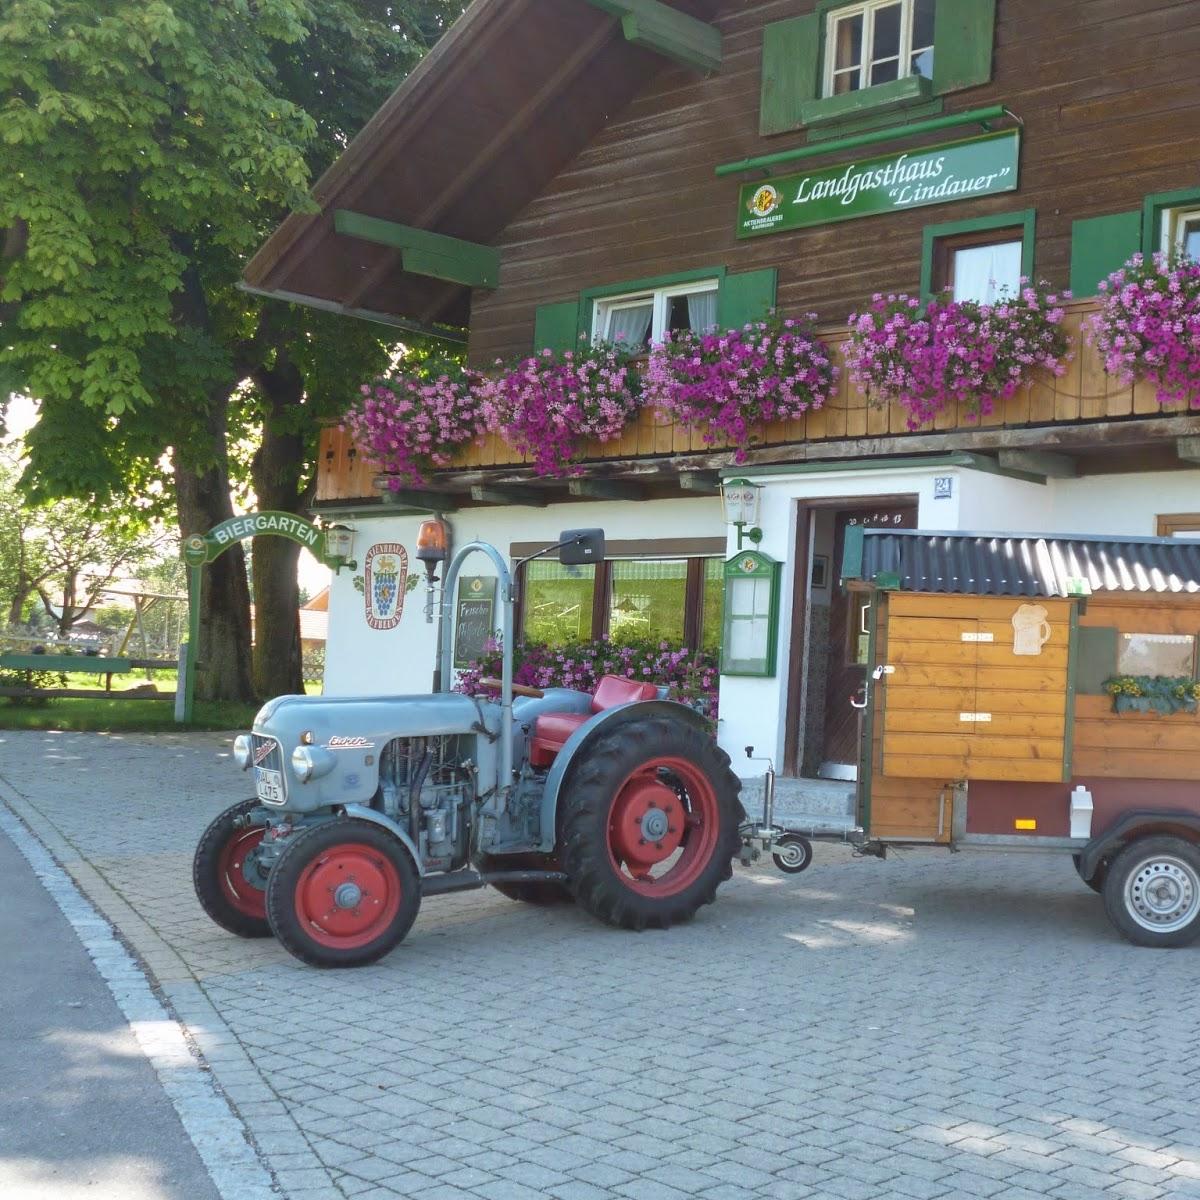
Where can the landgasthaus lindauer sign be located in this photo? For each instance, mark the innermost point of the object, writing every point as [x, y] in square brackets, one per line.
[962, 170]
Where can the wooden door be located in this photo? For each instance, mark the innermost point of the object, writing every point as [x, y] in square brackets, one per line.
[847, 671]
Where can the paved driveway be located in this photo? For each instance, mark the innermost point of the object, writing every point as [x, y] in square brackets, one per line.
[933, 1025]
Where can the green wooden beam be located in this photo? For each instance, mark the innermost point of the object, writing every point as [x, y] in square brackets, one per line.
[433, 502]
[530, 497]
[1039, 462]
[669, 32]
[1187, 449]
[707, 482]
[425, 253]
[605, 489]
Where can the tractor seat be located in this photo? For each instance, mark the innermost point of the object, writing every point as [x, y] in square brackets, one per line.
[551, 730]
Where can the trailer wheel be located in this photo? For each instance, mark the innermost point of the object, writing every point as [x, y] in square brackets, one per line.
[228, 884]
[650, 824]
[794, 853]
[343, 894]
[1152, 891]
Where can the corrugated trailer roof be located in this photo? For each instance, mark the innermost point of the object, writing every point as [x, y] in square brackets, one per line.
[1008, 564]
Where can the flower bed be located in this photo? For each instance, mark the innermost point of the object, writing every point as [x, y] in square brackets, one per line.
[691, 676]
[411, 422]
[1163, 694]
[549, 404]
[726, 383]
[1149, 324]
[946, 354]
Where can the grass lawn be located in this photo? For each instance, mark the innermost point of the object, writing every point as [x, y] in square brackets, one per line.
[123, 716]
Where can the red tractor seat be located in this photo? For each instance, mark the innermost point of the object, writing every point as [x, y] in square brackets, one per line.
[551, 730]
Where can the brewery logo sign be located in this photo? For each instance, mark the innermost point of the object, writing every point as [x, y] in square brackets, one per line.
[385, 574]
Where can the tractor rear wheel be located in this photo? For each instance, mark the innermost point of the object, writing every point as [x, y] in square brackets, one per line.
[649, 824]
[343, 894]
[229, 884]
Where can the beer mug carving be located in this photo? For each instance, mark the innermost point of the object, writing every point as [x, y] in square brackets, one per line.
[1031, 630]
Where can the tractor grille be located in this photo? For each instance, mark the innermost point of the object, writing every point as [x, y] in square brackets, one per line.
[266, 753]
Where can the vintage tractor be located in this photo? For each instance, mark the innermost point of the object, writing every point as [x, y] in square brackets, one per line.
[619, 800]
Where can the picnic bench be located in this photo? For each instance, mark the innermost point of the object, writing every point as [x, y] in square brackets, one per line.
[83, 664]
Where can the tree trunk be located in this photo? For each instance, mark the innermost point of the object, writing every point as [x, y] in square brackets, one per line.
[278, 472]
[202, 499]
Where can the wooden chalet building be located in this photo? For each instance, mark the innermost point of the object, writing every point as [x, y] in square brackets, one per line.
[558, 167]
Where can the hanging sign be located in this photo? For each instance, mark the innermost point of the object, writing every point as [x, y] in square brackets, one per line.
[385, 574]
[202, 548]
[474, 618]
[980, 166]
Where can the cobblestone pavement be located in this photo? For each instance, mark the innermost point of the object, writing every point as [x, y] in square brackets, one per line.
[933, 1025]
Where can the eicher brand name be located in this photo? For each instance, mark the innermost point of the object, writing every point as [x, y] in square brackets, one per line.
[349, 743]
[241, 527]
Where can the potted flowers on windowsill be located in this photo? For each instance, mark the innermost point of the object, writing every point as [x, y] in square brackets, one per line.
[549, 404]
[412, 421]
[1164, 694]
[934, 357]
[727, 384]
[1149, 325]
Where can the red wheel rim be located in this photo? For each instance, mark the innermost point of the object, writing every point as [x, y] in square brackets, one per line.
[249, 900]
[347, 896]
[662, 827]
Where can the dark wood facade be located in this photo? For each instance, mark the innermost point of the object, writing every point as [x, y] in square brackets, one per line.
[1106, 92]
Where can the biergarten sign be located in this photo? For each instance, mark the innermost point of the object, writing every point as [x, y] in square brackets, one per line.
[203, 548]
[964, 170]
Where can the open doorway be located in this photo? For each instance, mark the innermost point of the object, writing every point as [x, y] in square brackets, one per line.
[829, 639]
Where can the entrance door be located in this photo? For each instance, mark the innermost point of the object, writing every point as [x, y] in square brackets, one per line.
[848, 618]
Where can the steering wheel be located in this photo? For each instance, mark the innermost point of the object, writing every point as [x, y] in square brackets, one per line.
[519, 689]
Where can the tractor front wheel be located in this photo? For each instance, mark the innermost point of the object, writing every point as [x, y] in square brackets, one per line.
[226, 874]
[650, 824]
[343, 894]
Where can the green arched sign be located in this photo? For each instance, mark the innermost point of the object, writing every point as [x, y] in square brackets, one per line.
[202, 548]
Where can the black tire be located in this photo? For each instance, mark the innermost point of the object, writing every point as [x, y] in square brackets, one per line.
[544, 895]
[1096, 883]
[345, 851]
[1152, 892]
[233, 901]
[598, 789]
[796, 855]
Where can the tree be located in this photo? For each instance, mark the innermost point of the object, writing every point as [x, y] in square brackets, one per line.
[150, 146]
[23, 564]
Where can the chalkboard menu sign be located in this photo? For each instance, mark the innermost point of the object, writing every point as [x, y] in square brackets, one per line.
[474, 617]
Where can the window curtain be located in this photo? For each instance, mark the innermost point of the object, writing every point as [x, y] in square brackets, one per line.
[702, 311]
[630, 326]
[983, 273]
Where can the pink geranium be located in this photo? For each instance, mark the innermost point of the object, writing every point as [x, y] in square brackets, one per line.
[1149, 324]
[727, 383]
[933, 357]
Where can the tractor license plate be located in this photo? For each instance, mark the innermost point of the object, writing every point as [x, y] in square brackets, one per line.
[269, 785]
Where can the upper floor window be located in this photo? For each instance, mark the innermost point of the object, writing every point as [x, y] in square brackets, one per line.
[877, 42]
[981, 267]
[644, 318]
[1181, 233]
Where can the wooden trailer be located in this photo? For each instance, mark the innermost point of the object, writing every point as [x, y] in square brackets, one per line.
[1038, 693]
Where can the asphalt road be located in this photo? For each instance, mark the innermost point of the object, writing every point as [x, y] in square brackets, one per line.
[81, 1111]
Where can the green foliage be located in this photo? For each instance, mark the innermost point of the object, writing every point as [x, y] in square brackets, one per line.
[30, 679]
[135, 716]
[1163, 694]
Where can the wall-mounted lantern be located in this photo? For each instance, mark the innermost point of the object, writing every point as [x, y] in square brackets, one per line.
[339, 546]
[740, 500]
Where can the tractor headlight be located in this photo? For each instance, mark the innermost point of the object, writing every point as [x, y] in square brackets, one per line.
[242, 750]
[312, 762]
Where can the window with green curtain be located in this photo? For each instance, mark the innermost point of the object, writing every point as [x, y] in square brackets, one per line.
[648, 600]
[557, 602]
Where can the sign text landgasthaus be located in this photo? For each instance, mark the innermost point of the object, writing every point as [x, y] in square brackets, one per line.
[979, 166]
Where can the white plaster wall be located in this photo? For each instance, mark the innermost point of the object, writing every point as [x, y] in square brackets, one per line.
[364, 661]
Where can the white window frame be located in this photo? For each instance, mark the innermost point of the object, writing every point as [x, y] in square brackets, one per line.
[867, 8]
[659, 297]
[1173, 222]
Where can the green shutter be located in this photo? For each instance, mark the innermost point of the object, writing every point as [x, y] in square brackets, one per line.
[962, 43]
[1096, 650]
[749, 296]
[555, 326]
[790, 65]
[1101, 245]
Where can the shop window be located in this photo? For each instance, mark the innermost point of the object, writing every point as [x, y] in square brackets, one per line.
[980, 260]
[1181, 233]
[877, 42]
[641, 320]
[677, 600]
[1170, 654]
